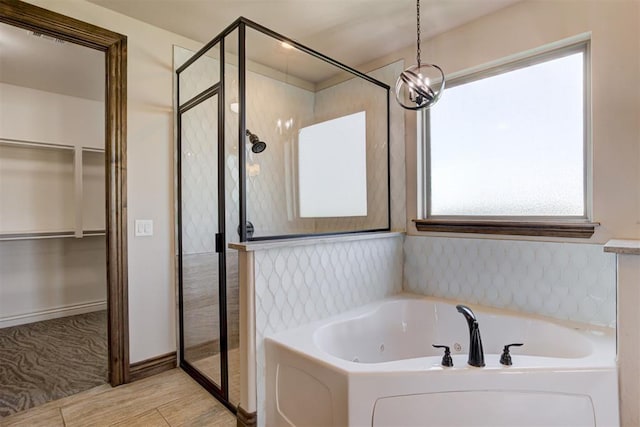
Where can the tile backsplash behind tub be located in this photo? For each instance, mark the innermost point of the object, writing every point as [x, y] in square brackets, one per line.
[563, 280]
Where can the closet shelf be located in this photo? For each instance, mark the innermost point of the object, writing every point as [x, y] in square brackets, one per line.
[89, 233]
[73, 185]
[93, 150]
[35, 144]
[48, 235]
[47, 145]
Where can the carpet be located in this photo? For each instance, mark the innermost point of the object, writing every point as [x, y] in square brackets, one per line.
[48, 360]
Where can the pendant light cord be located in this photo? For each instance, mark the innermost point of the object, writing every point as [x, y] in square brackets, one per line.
[418, 32]
[415, 89]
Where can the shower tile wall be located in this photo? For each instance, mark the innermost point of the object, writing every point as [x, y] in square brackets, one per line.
[270, 105]
[199, 158]
[302, 284]
[562, 280]
[350, 97]
[199, 178]
[268, 101]
[388, 75]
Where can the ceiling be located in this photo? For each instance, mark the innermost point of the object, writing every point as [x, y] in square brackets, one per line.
[44, 63]
[353, 32]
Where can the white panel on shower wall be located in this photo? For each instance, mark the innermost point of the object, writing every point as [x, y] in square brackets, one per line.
[332, 167]
[563, 280]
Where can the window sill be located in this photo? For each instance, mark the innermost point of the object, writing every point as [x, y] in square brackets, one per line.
[582, 230]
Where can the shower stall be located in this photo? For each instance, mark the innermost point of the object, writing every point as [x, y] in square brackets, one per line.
[274, 140]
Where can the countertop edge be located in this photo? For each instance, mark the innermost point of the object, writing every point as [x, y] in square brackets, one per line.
[620, 246]
[311, 240]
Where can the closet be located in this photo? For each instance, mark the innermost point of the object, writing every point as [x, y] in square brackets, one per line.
[60, 107]
[53, 248]
[52, 207]
[52, 179]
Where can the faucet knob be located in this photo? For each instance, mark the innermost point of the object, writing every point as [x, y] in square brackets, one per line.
[505, 359]
[446, 358]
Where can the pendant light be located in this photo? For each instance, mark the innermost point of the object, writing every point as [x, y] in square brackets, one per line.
[421, 85]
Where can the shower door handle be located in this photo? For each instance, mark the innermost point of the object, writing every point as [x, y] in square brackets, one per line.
[219, 242]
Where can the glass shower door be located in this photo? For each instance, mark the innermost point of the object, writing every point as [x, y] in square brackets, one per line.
[202, 258]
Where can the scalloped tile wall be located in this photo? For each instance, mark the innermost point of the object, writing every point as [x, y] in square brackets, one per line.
[199, 179]
[303, 284]
[562, 280]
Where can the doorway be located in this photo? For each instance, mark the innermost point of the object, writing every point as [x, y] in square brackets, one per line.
[113, 46]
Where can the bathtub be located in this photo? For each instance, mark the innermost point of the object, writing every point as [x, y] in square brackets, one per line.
[376, 366]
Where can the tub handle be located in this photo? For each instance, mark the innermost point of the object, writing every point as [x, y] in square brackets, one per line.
[446, 358]
[505, 359]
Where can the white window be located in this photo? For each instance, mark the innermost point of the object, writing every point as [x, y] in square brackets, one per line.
[510, 142]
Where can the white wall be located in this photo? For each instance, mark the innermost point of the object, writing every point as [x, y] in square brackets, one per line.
[149, 172]
[44, 279]
[36, 115]
[37, 190]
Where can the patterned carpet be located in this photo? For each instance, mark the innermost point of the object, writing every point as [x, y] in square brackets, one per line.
[48, 360]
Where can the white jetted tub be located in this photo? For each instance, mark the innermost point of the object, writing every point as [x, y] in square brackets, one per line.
[376, 366]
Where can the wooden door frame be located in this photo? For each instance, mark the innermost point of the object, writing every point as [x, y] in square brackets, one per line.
[114, 45]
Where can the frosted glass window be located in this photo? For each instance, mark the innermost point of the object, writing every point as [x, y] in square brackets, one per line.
[332, 168]
[511, 144]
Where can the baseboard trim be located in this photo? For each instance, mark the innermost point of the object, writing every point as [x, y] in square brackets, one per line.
[246, 419]
[153, 366]
[53, 313]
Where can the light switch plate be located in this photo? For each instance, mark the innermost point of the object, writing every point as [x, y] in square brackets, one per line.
[144, 227]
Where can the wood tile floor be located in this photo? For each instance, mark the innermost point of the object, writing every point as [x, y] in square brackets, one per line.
[171, 398]
[210, 367]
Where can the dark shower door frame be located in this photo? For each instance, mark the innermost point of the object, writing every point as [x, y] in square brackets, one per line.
[240, 24]
[221, 392]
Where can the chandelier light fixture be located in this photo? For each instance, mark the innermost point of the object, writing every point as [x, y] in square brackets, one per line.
[421, 85]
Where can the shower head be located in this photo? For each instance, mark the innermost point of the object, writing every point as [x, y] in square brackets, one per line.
[257, 146]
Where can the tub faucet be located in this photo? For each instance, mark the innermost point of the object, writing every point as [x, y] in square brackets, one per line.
[476, 354]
